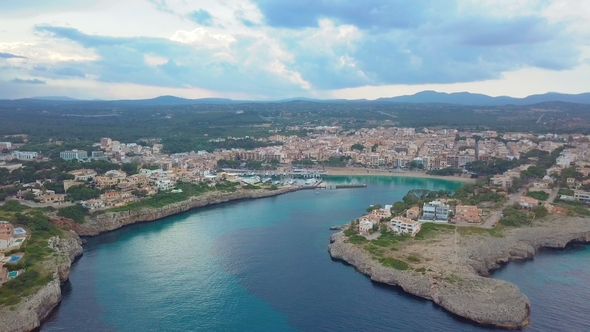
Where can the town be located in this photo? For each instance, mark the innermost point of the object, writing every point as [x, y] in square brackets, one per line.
[519, 175]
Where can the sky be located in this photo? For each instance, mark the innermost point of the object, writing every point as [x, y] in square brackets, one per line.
[274, 49]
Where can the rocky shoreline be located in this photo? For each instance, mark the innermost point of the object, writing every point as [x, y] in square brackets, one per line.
[32, 310]
[29, 314]
[109, 221]
[457, 276]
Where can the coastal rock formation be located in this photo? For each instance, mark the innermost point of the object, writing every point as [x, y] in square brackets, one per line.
[457, 270]
[32, 310]
[109, 221]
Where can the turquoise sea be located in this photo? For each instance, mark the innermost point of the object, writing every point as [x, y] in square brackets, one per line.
[262, 265]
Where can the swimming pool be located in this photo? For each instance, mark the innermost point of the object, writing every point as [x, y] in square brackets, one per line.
[12, 274]
[19, 231]
[14, 259]
[18, 241]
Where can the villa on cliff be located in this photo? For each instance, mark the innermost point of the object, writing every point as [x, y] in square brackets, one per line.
[367, 222]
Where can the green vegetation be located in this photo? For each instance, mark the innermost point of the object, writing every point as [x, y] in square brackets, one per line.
[36, 252]
[374, 207]
[429, 229]
[76, 212]
[358, 147]
[540, 195]
[394, 263]
[449, 171]
[13, 206]
[82, 193]
[540, 212]
[514, 217]
[567, 192]
[492, 167]
[164, 198]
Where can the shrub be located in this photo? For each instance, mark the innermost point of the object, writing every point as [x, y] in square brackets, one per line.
[394, 263]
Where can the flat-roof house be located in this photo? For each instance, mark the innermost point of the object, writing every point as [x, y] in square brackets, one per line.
[404, 225]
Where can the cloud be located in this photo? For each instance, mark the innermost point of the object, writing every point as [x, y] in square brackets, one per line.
[295, 47]
[10, 56]
[201, 17]
[68, 71]
[28, 81]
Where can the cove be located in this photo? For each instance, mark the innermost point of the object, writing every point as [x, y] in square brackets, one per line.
[262, 265]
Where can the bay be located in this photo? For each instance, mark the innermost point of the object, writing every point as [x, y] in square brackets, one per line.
[262, 265]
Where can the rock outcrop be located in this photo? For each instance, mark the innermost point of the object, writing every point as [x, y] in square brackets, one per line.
[32, 310]
[109, 221]
[457, 273]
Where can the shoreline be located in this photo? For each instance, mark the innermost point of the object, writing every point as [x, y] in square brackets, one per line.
[464, 286]
[335, 171]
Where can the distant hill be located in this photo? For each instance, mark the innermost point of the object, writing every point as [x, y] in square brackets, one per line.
[54, 98]
[457, 98]
[466, 98]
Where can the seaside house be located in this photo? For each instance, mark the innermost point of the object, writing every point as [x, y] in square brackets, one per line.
[365, 226]
[6, 236]
[381, 213]
[413, 212]
[367, 222]
[436, 211]
[467, 213]
[402, 225]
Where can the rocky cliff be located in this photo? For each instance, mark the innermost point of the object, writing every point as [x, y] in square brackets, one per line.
[32, 310]
[454, 273]
[109, 221]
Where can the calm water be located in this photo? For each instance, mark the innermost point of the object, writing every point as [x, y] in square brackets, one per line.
[262, 265]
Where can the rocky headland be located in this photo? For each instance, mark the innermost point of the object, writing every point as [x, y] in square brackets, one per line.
[28, 314]
[452, 268]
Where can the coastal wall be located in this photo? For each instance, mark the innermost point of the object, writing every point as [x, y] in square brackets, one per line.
[109, 221]
[32, 310]
[463, 287]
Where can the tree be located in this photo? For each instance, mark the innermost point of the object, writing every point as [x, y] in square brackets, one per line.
[29, 196]
[398, 207]
[540, 211]
[373, 207]
[358, 147]
[129, 168]
[82, 193]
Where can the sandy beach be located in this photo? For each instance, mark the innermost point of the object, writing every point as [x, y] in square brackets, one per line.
[357, 171]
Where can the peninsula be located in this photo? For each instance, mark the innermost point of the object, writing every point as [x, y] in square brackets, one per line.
[453, 269]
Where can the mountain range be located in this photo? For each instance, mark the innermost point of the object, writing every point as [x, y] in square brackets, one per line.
[458, 98]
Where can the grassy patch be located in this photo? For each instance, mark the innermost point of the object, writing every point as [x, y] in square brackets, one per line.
[430, 229]
[357, 239]
[394, 263]
[388, 239]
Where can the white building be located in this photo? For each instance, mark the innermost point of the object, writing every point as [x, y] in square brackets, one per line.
[365, 226]
[24, 155]
[404, 225]
[73, 154]
[436, 211]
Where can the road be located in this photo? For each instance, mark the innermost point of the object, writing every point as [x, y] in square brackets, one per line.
[495, 215]
[553, 195]
[37, 205]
